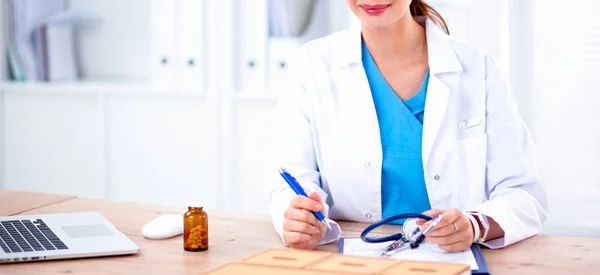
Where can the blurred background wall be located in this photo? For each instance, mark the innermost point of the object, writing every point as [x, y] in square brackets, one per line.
[169, 101]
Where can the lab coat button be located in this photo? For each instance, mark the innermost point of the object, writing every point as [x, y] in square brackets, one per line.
[436, 177]
[368, 215]
[367, 164]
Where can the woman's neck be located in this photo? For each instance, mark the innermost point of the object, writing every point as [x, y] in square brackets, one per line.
[405, 40]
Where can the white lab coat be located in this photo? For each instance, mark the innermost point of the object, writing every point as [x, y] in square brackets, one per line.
[477, 153]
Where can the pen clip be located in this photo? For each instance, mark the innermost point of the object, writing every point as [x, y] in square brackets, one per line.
[435, 222]
[469, 123]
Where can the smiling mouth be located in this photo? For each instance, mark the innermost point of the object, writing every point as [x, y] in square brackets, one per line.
[374, 9]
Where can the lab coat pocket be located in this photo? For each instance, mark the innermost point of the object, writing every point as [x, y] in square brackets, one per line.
[471, 154]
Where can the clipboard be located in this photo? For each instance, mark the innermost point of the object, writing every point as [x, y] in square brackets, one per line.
[475, 249]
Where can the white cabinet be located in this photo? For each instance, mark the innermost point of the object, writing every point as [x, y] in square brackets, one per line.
[156, 43]
[161, 150]
[52, 144]
[162, 112]
[137, 125]
[252, 84]
[251, 128]
[266, 33]
[119, 142]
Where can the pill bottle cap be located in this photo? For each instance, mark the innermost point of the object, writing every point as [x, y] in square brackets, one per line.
[194, 204]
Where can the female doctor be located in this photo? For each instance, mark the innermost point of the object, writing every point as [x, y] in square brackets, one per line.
[399, 117]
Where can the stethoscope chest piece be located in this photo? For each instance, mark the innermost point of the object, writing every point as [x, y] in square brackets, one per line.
[409, 227]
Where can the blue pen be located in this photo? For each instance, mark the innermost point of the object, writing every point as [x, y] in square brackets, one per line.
[293, 183]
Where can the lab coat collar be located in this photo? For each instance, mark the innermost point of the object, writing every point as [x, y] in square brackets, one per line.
[442, 58]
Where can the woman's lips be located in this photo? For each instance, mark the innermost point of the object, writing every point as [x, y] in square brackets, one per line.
[374, 9]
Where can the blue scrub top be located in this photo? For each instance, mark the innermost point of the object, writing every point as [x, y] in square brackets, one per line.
[401, 125]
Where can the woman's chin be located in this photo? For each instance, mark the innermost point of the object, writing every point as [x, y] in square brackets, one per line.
[378, 23]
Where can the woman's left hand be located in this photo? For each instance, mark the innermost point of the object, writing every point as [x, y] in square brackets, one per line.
[453, 233]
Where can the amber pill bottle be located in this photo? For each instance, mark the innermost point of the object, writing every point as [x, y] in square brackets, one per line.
[195, 228]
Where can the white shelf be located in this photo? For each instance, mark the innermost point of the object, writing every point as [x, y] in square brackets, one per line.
[245, 96]
[134, 120]
[93, 88]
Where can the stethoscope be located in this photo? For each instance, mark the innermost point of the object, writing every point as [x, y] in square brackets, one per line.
[410, 237]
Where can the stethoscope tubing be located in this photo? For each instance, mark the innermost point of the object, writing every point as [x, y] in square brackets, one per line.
[394, 237]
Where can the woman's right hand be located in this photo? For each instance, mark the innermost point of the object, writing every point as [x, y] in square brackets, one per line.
[301, 229]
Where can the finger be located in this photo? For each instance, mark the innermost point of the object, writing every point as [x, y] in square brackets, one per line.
[461, 236]
[431, 213]
[449, 216]
[315, 197]
[303, 202]
[322, 227]
[301, 215]
[294, 237]
[441, 231]
[462, 224]
[300, 227]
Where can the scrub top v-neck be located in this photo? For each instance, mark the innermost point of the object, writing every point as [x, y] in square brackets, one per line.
[403, 187]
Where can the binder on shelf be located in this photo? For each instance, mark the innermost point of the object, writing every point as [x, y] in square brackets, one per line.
[290, 18]
[190, 37]
[289, 22]
[56, 50]
[253, 33]
[277, 14]
[281, 50]
[24, 18]
[3, 42]
[41, 42]
[61, 62]
[20, 45]
[162, 30]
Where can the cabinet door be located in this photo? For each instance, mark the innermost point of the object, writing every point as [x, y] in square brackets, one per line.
[162, 150]
[251, 128]
[154, 42]
[52, 143]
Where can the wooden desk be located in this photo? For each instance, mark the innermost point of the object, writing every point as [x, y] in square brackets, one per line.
[15, 202]
[235, 236]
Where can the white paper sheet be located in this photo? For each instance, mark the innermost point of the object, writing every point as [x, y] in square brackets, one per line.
[425, 252]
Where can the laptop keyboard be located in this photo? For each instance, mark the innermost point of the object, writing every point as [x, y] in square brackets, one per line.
[27, 236]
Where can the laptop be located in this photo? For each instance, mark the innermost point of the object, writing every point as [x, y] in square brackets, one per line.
[42, 237]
